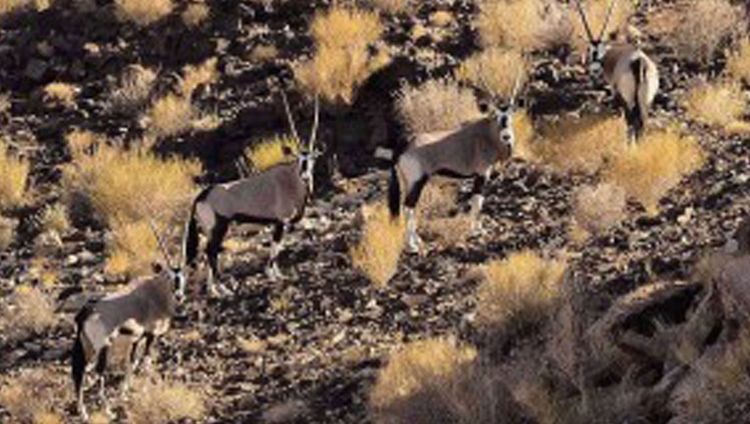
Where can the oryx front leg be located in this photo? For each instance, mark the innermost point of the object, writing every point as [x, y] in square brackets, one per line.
[272, 268]
[413, 243]
[477, 201]
[213, 248]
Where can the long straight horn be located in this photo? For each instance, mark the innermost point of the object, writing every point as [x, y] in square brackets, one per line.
[607, 18]
[584, 20]
[292, 126]
[316, 121]
[160, 242]
[516, 88]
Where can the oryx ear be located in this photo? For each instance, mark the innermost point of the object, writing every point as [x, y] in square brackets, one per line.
[156, 267]
[286, 150]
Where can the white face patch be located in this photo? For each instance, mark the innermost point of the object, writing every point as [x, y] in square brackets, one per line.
[505, 125]
[596, 54]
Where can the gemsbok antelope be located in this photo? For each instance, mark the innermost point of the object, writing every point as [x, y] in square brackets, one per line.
[466, 152]
[142, 312]
[632, 75]
[276, 196]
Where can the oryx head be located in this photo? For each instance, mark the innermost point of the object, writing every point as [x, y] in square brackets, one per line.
[308, 153]
[174, 271]
[597, 47]
[501, 112]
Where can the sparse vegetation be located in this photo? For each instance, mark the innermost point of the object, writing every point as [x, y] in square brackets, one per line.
[525, 25]
[194, 76]
[705, 27]
[55, 218]
[379, 249]
[82, 142]
[171, 115]
[523, 128]
[134, 89]
[596, 13]
[393, 6]
[143, 12]
[342, 60]
[441, 18]
[720, 104]
[34, 395]
[270, 152]
[264, 53]
[28, 312]
[655, 165]
[12, 6]
[738, 64]
[132, 249]
[5, 104]
[15, 172]
[7, 232]
[437, 105]
[196, 14]
[60, 94]
[518, 292]
[158, 401]
[495, 71]
[597, 208]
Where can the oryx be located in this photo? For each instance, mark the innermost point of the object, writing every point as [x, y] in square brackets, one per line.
[142, 311]
[466, 152]
[632, 75]
[276, 196]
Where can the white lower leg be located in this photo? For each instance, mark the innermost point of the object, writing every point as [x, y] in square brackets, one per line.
[412, 239]
[272, 269]
[476, 208]
[82, 407]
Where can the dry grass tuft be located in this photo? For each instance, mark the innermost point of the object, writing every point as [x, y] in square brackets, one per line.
[437, 105]
[518, 292]
[580, 144]
[342, 60]
[596, 12]
[393, 6]
[171, 115]
[12, 6]
[495, 71]
[441, 18]
[194, 76]
[196, 14]
[649, 169]
[143, 12]
[29, 311]
[523, 127]
[33, 395]
[133, 91]
[270, 152]
[132, 249]
[705, 27]
[60, 94]
[597, 208]
[82, 142]
[526, 25]
[7, 232]
[55, 218]
[721, 104]
[264, 53]
[738, 64]
[158, 401]
[15, 173]
[379, 249]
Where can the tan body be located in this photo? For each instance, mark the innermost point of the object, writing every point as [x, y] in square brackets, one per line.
[618, 73]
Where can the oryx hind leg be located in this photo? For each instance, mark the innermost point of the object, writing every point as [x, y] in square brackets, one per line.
[272, 268]
[213, 248]
[413, 241]
[477, 201]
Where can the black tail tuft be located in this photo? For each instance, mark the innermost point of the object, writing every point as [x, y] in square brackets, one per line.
[394, 194]
[637, 115]
[78, 363]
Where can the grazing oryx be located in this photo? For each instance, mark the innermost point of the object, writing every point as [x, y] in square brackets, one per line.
[467, 152]
[276, 196]
[626, 68]
[141, 312]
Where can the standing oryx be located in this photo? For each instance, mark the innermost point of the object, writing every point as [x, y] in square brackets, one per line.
[141, 312]
[276, 196]
[467, 152]
[626, 68]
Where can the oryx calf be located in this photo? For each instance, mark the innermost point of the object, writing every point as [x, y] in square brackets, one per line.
[276, 196]
[141, 312]
[632, 75]
[467, 152]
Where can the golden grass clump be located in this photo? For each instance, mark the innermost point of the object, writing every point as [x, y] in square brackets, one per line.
[379, 249]
[597, 208]
[342, 60]
[270, 152]
[55, 218]
[171, 115]
[34, 395]
[649, 169]
[157, 401]
[29, 312]
[60, 94]
[705, 27]
[393, 6]
[15, 174]
[7, 232]
[133, 91]
[495, 71]
[143, 12]
[82, 142]
[437, 105]
[738, 64]
[720, 104]
[132, 249]
[196, 14]
[580, 144]
[194, 76]
[523, 128]
[264, 53]
[526, 25]
[12, 6]
[518, 292]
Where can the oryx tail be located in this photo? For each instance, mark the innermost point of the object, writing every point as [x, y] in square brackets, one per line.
[78, 354]
[642, 95]
[191, 239]
[394, 193]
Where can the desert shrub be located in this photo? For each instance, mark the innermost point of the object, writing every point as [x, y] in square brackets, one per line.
[518, 292]
[7, 232]
[82, 142]
[143, 12]
[437, 105]
[133, 91]
[55, 218]
[132, 249]
[12, 6]
[379, 248]
[158, 401]
[392, 6]
[195, 14]
[705, 27]
[596, 13]
[435, 381]
[720, 104]
[269, 152]
[34, 395]
[171, 115]
[60, 94]
[738, 64]
[597, 208]
[495, 71]
[580, 144]
[526, 25]
[29, 311]
[15, 173]
[264, 53]
[342, 59]
[194, 76]
[655, 165]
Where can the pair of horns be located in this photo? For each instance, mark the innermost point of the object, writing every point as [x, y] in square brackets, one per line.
[293, 127]
[513, 94]
[586, 25]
